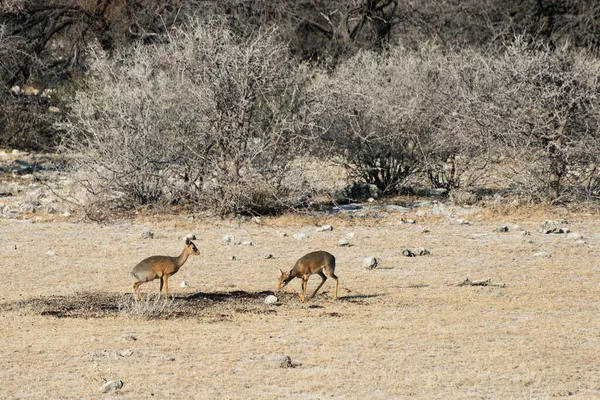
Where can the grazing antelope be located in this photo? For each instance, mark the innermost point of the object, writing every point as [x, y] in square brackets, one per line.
[161, 267]
[312, 263]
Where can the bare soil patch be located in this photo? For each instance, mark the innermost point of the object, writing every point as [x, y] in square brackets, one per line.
[404, 329]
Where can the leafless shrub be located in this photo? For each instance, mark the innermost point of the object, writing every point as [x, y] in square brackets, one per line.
[544, 115]
[390, 117]
[204, 118]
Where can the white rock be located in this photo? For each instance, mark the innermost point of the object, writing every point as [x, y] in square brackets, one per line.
[228, 239]
[574, 236]
[370, 263]
[542, 254]
[300, 236]
[270, 299]
[147, 235]
[267, 256]
[128, 336]
[343, 242]
[325, 228]
[51, 253]
[184, 284]
[111, 386]
[421, 251]
[247, 243]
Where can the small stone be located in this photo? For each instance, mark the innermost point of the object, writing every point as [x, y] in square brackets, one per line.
[147, 235]
[286, 362]
[407, 221]
[184, 284]
[267, 256]
[325, 228]
[563, 230]
[51, 253]
[281, 234]
[575, 236]
[228, 239]
[129, 336]
[525, 232]
[547, 227]
[421, 251]
[542, 254]
[350, 235]
[501, 229]
[111, 386]
[270, 299]
[461, 221]
[232, 258]
[406, 252]
[300, 236]
[247, 243]
[343, 242]
[370, 263]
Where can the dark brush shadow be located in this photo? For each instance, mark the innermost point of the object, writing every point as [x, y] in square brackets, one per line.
[223, 296]
[360, 296]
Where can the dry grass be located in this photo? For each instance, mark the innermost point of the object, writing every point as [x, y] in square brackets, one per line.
[402, 330]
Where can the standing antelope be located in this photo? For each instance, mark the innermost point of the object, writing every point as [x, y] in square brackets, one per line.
[312, 263]
[161, 267]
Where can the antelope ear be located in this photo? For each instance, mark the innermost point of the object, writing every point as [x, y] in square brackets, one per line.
[282, 273]
[187, 241]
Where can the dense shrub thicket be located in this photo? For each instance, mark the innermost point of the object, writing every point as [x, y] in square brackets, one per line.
[218, 106]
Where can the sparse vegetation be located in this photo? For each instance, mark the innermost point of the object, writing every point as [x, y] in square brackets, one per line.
[215, 107]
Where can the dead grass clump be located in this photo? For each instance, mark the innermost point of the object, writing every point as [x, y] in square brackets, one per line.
[146, 309]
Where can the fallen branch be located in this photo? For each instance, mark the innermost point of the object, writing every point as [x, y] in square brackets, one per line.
[483, 282]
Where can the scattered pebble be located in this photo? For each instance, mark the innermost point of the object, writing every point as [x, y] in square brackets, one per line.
[370, 263]
[228, 239]
[421, 251]
[300, 236]
[270, 299]
[343, 242]
[575, 236]
[184, 283]
[147, 235]
[129, 336]
[325, 228]
[286, 362]
[112, 386]
[267, 256]
[406, 252]
[542, 254]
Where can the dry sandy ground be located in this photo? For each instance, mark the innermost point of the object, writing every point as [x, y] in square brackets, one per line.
[403, 330]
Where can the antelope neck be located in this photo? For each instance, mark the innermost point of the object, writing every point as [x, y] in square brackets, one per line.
[182, 258]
